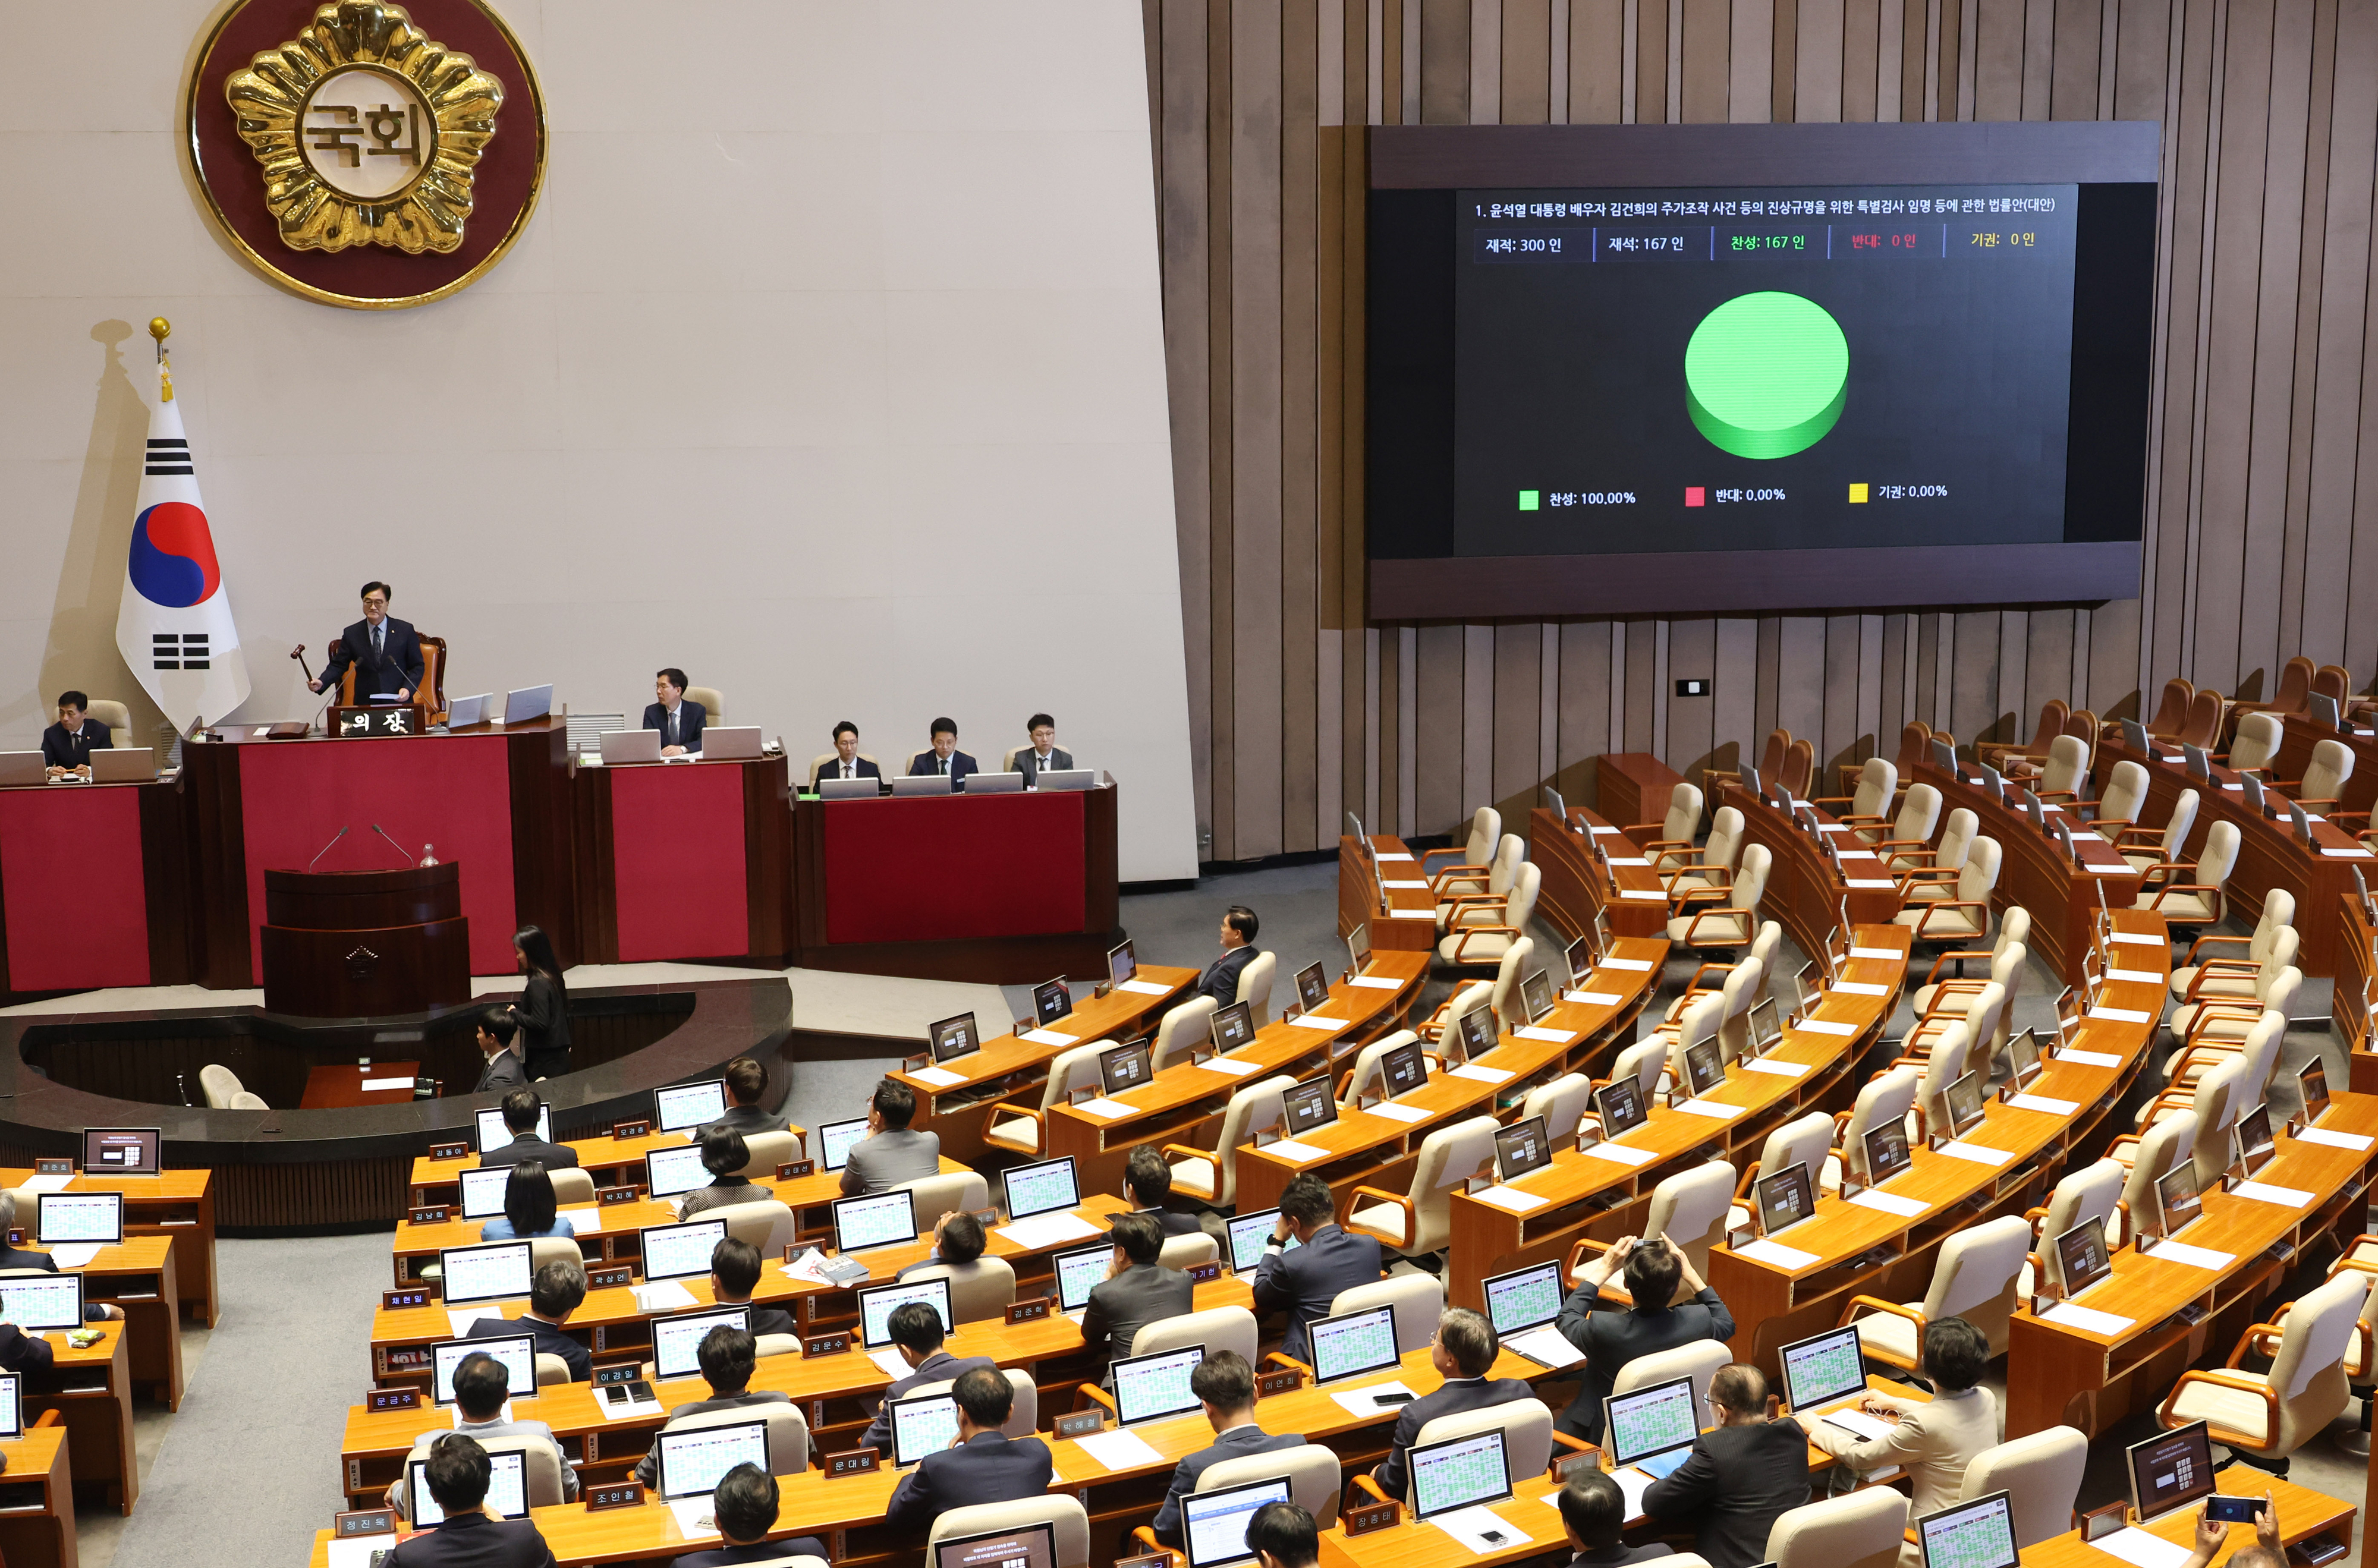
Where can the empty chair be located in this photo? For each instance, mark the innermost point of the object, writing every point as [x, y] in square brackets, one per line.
[980, 1289]
[1799, 770]
[1887, 1098]
[1966, 918]
[1070, 1524]
[1009, 1125]
[2205, 976]
[1419, 1222]
[1453, 889]
[220, 1085]
[1643, 1061]
[2270, 1415]
[1184, 1251]
[1467, 999]
[1973, 1278]
[1714, 868]
[1418, 1299]
[1950, 1060]
[2194, 895]
[2151, 1157]
[1366, 1080]
[2225, 1021]
[2052, 714]
[1699, 1361]
[2041, 1473]
[2249, 1069]
[946, 1192]
[1182, 1030]
[1869, 803]
[249, 1100]
[1726, 918]
[1938, 992]
[1858, 1530]
[1932, 873]
[2258, 741]
[1217, 1328]
[2171, 709]
[1919, 813]
[1915, 748]
[2066, 767]
[2295, 685]
[2145, 848]
[2323, 778]
[1802, 1141]
[1501, 992]
[1475, 854]
[1563, 1103]
[1700, 1022]
[1983, 1023]
[2118, 809]
[1743, 985]
[1482, 930]
[2202, 728]
[2081, 1196]
[1212, 1176]
[1674, 834]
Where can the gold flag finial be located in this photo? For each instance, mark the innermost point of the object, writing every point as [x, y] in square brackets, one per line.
[159, 328]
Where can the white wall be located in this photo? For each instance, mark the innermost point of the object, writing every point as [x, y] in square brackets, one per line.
[830, 369]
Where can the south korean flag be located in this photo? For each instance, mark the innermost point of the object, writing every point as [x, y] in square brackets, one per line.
[174, 626]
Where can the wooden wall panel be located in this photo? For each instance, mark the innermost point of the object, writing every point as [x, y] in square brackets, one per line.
[2262, 514]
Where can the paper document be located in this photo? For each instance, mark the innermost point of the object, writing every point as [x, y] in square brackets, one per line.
[1868, 883]
[1858, 1424]
[1628, 860]
[1390, 856]
[2120, 1015]
[1395, 1112]
[1145, 988]
[1391, 883]
[1775, 1252]
[2089, 1058]
[459, 1319]
[1102, 1106]
[1645, 893]
[1632, 1484]
[1975, 1153]
[2044, 1102]
[374, 1086]
[1482, 1530]
[2075, 1316]
[939, 1077]
[1411, 913]
[2141, 1550]
[356, 1552]
[1887, 1202]
[2264, 1193]
[1308, 1020]
[1483, 1075]
[1593, 998]
[1119, 1450]
[693, 1517]
[1537, 1032]
[1621, 1154]
[1857, 988]
[1638, 964]
[1776, 1069]
[1289, 1149]
[1048, 1037]
[665, 1297]
[1224, 1065]
[889, 1360]
[1378, 983]
[1365, 1401]
[1826, 1026]
[1604, 829]
[1510, 1198]
[1047, 1231]
[2354, 1140]
[1856, 855]
[1892, 953]
[2194, 1257]
[586, 1219]
[1546, 1345]
[2139, 938]
[52, 1184]
[2355, 853]
[73, 1254]
[1710, 1108]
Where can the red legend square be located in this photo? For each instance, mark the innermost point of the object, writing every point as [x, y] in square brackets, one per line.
[1695, 496]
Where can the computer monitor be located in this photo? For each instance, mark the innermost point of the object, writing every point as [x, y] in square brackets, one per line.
[2023, 1057]
[1536, 995]
[2170, 1471]
[849, 789]
[1312, 987]
[2178, 1203]
[1886, 1153]
[689, 1105]
[669, 1171]
[1944, 757]
[2253, 1129]
[1580, 958]
[834, 1139]
[1524, 1299]
[2312, 1082]
[877, 1220]
[1651, 1421]
[1352, 1344]
[2251, 788]
[1149, 1388]
[1079, 1271]
[506, 1489]
[1050, 780]
[68, 1217]
[122, 1151]
[495, 1271]
[1750, 782]
[1125, 1066]
[1522, 1147]
[1704, 1065]
[482, 1190]
[1478, 1036]
[2322, 709]
[1462, 1472]
[2198, 766]
[1234, 1026]
[1052, 999]
[1558, 806]
[2135, 737]
[1358, 946]
[462, 713]
[953, 1038]
[1766, 1030]
[12, 1406]
[1979, 1534]
[35, 1302]
[1029, 1546]
[1043, 1187]
[676, 1342]
[1994, 785]
[516, 1351]
[2081, 1252]
[1621, 1102]
[923, 783]
[693, 1462]
[680, 1252]
[1824, 1368]
[1248, 1233]
[877, 1303]
[494, 1134]
[1121, 964]
[1785, 1199]
[527, 702]
[1214, 1524]
[1306, 1105]
[1965, 1099]
[1404, 1069]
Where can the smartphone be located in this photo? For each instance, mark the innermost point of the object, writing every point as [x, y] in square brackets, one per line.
[2232, 1510]
[1398, 1397]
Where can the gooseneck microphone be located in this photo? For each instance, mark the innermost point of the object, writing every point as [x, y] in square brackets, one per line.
[398, 847]
[328, 847]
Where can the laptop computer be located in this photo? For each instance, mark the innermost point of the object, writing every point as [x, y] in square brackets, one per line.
[1886, 1153]
[2311, 1084]
[692, 1463]
[1313, 987]
[1120, 964]
[483, 1190]
[1621, 1103]
[1463, 1473]
[679, 1251]
[621, 748]
[1523, 1306]
[462, 713]
[1653, 1428]
[730, 743]
[1068, 779]
[668, 1172]
[950, 1038]
[516, 1351]
[1353, 1344]
[2178, 1203]
[2170, 1471]
[2080, 1256]
[1783, 1199]
[137, 1151]
[1247, 1235]
[921, 784]
[849, 789]
[877, 1220]
[1403, 1067]
[66, 1219]
[23, 768]
[994, 783]
[1536, 995]
[1979, 1534]
[1052, 999]
[1231, 1027]
[1125, 1066]
[1043, 1187]
[1522, 1147]
[1825, 1371]
[834, 1139]
[124, 764]
[529, 703]
[1306, 1105]
[492, 1272]
[1079, 1271]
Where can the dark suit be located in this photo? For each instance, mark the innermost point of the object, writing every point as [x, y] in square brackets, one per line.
[1738, 1482]
[1305, 1281]
[1611, 1338]
[60, 749]
[925, 764]
[939, 1366]
[879, 1163]
[689, 718]
[473, 1540]
[648, 1469]
[988, 1468]
[1457, 1395]
[1027, 762]
[541, 1019]
[397, 668]
[1618, 1556]
[861, 768]
[1220, 979]
[747, 1120]
[1236, 1443]
[765, 1551]
[528, 1146]
[769, 1320]
[1120, 1307]
[550, 1341]
[1175, 1222]
[503, 1070]
[22, 1352]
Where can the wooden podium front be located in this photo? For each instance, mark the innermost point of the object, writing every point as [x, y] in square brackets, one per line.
[356, 944]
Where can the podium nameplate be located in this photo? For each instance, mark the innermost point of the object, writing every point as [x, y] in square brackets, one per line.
[382, 720]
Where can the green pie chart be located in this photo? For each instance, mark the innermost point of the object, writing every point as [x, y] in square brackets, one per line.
[1765, 375]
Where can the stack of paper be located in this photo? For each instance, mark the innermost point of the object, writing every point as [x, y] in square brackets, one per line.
[1145, 987]
[1289, 1149]
[2139, 1548]
[1102, 1106]
[1395, 1112]
[2052, 1105]
[1047, 1231]
[1048, 1037]
[1548, 1346]
[1858, 1423]
[1223, 1064]
[1710, 1108]
[1119, 1450]
[1778, 1069]
[1533, 1033]
[2073, 1315]
[1482, 1530]
[668, 1296]
[1887, 1202]
[73, 1255]
[939, 1077]
[1483, 1075]
[2089, 1058]
[1621, 1154]
[1311, 1020]
[1510, 1198]
[1775, 1252]
[1826, 1026]
[2260, 1191]
[1975, 1153]
[2353, 1141]
[1365, 1401]
[2194, 1257]
[50, 1183]
[1378, 983]
[1859, 989]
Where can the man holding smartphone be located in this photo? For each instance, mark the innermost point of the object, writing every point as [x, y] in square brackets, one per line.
[2214, 1517]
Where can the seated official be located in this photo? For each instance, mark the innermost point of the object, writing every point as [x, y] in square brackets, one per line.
[1593, 1511]
[1149, 1181]
[521, 1108]
[983, 1465]
[466, 1536]
[890, 1153]
[1225, 1387]
[2267, 1551]
[1136, 1291]
[958, 1238]
[745, 1506]
[724, 1154]
[678, 721]
[504, 1068]
[734, 1274]
[66, 746]
[482, 1384]
[1043, 752]
[1326, 1261]
[917, 1335]
[558, 1290]
[28, 1258]
[944, 758]
[1933, 1440]
[1284, 1535]
[1610, 1339]
[1462, 1350]
[1741, 1476]
[747, 1085]
[727, 1355]
[530, 1210]
[384, 653]
[1220, 979]
[847, 763]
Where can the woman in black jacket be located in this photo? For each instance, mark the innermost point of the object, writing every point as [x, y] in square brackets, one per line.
[542, 1014]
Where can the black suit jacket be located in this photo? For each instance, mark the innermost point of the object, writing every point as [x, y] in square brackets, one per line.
[473, 1540]
[832, 769]
[925, 764]
[503, 1070]
[1307, 1280]
[690, 717]
[528, 1146]
[1027, 762]
[60, 749]
[1220, 979]
[1175, 1222]
[1738, 1482]
[988, 1468]
[939, 1366]
[1236, 1443]
[22, 1352]
[550, 1341]
[1457, 1395]
[1611, 1338]
[398, 668]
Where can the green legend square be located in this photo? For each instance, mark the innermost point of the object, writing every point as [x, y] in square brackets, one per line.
[1527, 499]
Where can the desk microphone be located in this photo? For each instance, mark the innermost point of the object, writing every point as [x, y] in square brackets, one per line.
[408, 855]
[328, 847]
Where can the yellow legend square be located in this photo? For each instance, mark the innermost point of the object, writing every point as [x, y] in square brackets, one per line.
[1857, 494]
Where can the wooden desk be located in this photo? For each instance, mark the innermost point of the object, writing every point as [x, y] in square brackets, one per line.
[1633, 786]
[613, 1162]
[39, 1535]
[2035, 873]
[96, 1407]
[1853, 1249]
[2301, 1513]
[178, 1205]
[94, 888]
[1011, 1067]
[1804, 892]
[329, 1088]
[684, 860]
[1575, 887]
[1408, 923]
[2300, 735]
[2354, 993]
[137, 1276]
[1590, 1194]
[2058, 1373]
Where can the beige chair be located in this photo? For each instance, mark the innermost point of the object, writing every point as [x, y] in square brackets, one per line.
[1714, 866]
[2067, 765]
[2270, 1415]
[1674, 834]
[2259, 736]
[1418, 1299]
[1419, 1222]
[1217, 1328]
[540, 1463]
[1644, 1061]
[1211, 1178]
[983, 1289]
[1700, 1022]
[2205, 976]
[2042, 1472]
[1445, 1023]
[2146, 847]
[1501, 991]
[544, 1250]
[1452, 889]
[2236, 1030]
[115, 715]
[1689, 1208]
[767, 1225]
[2150, 1157]
[762, 1346]
[220, 1085]
[1931, 873]
[1698, 1361]
[820, 763]
[1009, 1125]
[1859, 1529]
[1182, 1030]
[1950, 1060]
[1966, 917]
[1871, 802]
[1726, 918]
[1919, 813]
[1476, 853]
[1184, 1251]
[550, 1369]
[2117, 811]
[1942, 993]
[946, 1192]
[1887, 1098]
[1564, 1103]
[1526, 1426]
[1973, 1278]
[1745, 984]
[1062, 1511]
[714, 706]
[1802, 1141]
[1315, 1477]
[1484, 929]
[2081, 1196]
[768, 1151]
[248, 1100]
[1023, 1411]
[789, 1432]
[2194, 895]
[1254, 986]
[1363, 1080]
[1985, 1013]
[2325, 777]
